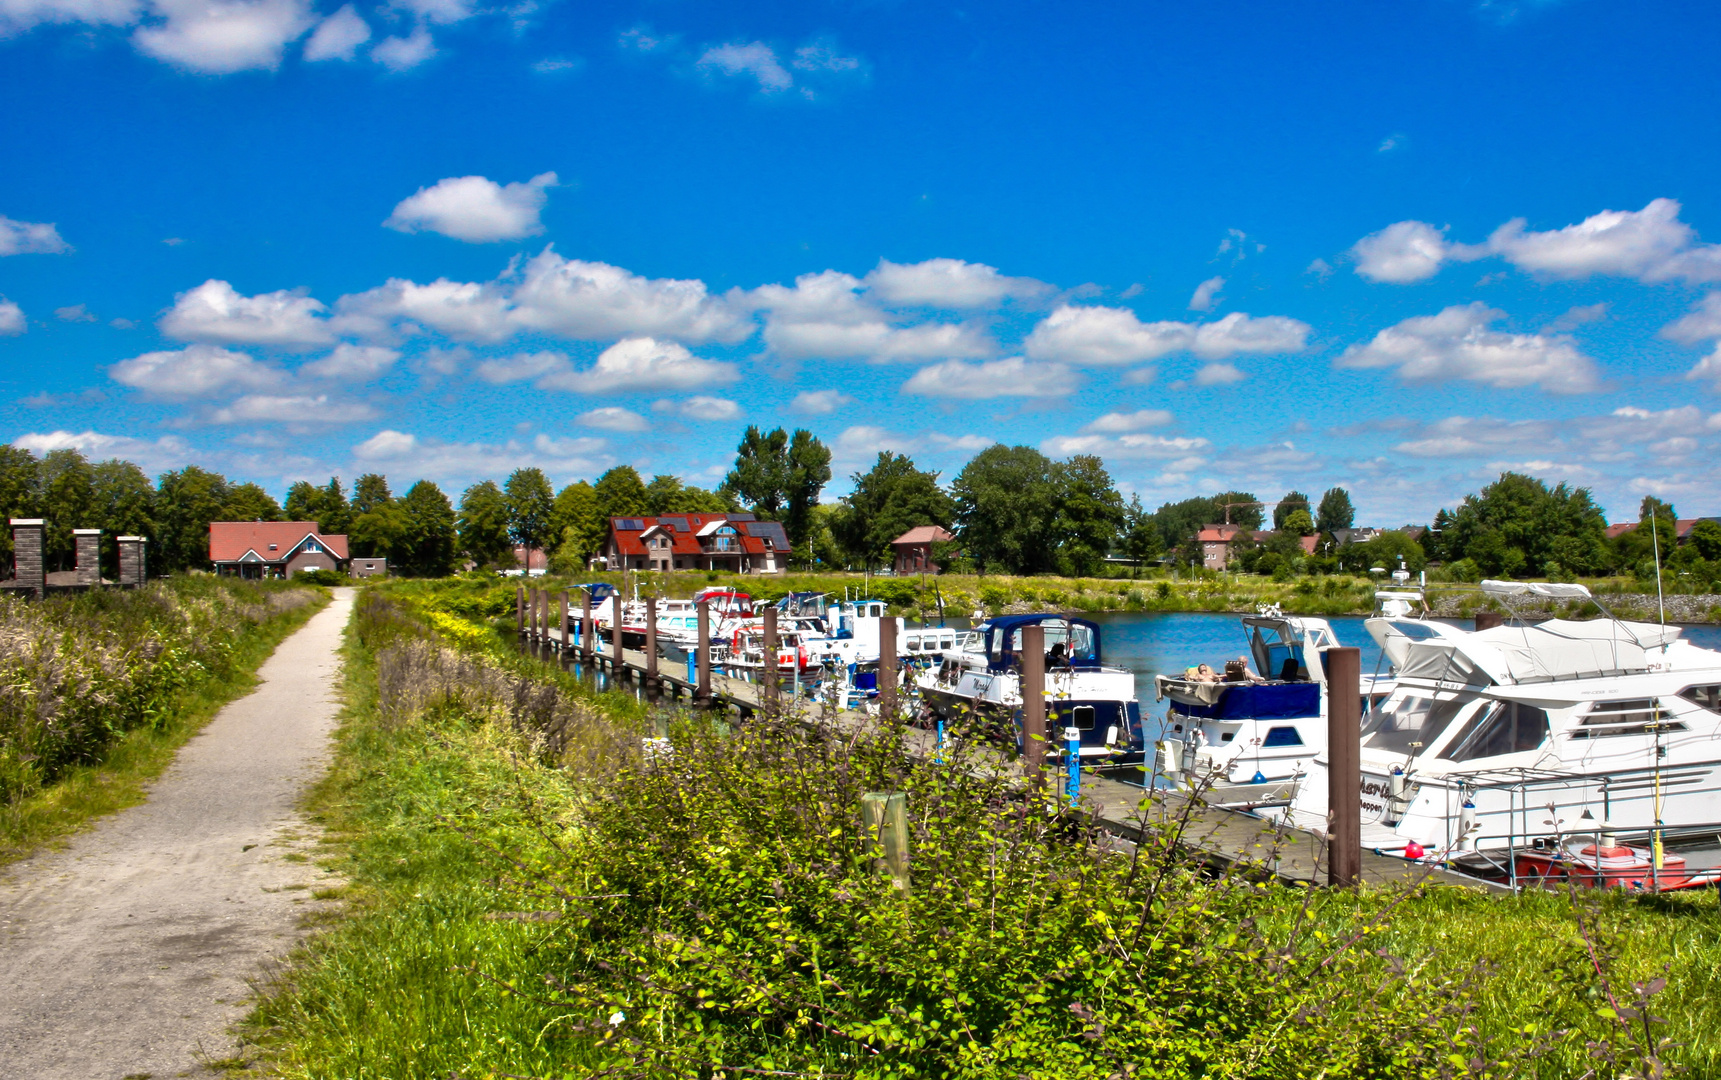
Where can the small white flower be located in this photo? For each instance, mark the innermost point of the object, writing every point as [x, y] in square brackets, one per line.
[617, 1017]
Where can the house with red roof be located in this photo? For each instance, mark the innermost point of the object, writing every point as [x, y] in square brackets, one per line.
[914, 549]
[1681, 528]
[738, 543]
[258, 549]
[1219, 543]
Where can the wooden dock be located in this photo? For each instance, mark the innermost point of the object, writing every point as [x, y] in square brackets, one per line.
[1225, 837]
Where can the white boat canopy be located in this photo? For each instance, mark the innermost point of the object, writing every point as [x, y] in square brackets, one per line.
[1551, 589]
[1548, 651]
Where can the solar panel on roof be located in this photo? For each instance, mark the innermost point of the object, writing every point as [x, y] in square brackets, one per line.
[743, 516]
[630, 524]
[674, 521]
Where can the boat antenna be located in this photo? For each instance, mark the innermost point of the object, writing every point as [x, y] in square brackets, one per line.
[1655, 545]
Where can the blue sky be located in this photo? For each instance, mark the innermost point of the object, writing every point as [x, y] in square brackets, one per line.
[1395, 246]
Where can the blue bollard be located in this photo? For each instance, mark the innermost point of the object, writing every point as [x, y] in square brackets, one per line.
[939, 757]
[1073, 763]
[692, 668]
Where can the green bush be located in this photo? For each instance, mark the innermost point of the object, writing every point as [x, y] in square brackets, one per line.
[321, 577]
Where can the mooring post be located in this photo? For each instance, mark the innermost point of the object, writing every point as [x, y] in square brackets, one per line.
[886, 817]
[702, 685]
[1488, 620]
[1033, 704]
[537, 598]
[768, 683]
[651, 643]
[564, 620]
[520, 609]
[615, 629]
[586, 625]
[886, 667]
[1344, 772]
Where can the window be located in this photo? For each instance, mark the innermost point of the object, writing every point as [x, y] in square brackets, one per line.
[1411, 719]
[1631, 716]
[311, 548]
[1709, 697]
[1507, 727]
[1282, 736]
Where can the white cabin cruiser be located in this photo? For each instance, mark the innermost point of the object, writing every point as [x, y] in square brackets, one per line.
[1501, 742]
[983, 677]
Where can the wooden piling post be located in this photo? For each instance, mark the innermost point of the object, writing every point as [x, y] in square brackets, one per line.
[1344, 769]
[520, 609]
[651, 643]
[1033, 704]
[886, 817]
[887, 667]
[1487, 620]
[768, 682]
[615, 630]
[586, 625]
[702, 683]
[564, 620]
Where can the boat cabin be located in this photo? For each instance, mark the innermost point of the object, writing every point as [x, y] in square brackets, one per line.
[1070, 643]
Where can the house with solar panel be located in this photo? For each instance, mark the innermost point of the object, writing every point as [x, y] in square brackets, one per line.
[738, 543]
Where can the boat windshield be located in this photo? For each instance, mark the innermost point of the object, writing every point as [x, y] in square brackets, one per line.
[1412, 723]
[1074, 642]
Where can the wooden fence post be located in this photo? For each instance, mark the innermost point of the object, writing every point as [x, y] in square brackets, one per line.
[586, 625]
[702, 683]
[565, 641]
[1033, 685]
[886, 816]
[768, 681]
[1344, 765]
[651, 643]
[520, 609]
[887, 667]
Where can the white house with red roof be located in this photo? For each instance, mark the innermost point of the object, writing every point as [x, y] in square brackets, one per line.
[258, 549]
[735, 542]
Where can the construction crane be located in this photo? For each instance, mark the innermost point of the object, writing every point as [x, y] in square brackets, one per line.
[1281, 502]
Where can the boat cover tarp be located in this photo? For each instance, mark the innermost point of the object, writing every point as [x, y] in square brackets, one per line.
[1252, 701]
[1555, 649]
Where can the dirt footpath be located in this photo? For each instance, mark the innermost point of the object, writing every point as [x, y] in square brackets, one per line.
[127, 954]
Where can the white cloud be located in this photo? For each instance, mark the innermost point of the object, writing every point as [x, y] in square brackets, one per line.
[700, 408]
[1458, 343]
[1206, 294]
[1707, 368]
[862, 443]
[474, 209]
[338, 36]
[1108, 335]
[563, 459]
[151, 455]
[356, 362]
[195, 371]
[219, 37]
[1013, 377]
[523, 366]
[613, 418]
[12, 321]
[641, 365]
[949, 283]
[822, 56]
[819, 402]
[1218, 375]
[20, 15]
[30, 237]
[459, 309]
[1400, 253]
[215, 313]
[1133, 446]
[755, 60]
[1702, 323]
[878, 341]
[75, 313]
[293, 409]
[441, 12]
[1113, 423]
[404, 53]
[593, 300]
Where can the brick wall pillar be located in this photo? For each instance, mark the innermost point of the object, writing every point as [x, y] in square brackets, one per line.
[133, 570]
[89, 543]
[27, 554]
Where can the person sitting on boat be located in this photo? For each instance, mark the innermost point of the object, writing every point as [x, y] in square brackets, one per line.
[1203, 673]
[1237, 671]
[1057, 658]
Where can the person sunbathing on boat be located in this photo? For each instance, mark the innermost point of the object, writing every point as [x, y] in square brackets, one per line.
[1203, 673]
[1237, 671]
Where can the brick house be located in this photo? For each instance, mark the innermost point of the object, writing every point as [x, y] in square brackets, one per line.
[734, 542]
[1220, 542]
[257, 549]
[367, 568]
[914, 549]
[1681, 528]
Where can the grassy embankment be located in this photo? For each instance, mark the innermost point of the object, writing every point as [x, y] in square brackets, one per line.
[751, 933]
[101, 689]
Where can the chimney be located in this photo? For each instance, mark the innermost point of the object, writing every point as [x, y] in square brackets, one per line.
[89, 543]
[133, 571]
[27, 555]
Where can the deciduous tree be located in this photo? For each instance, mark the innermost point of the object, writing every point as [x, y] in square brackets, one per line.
[68, 502]
[483, 525]
[431, 541]
[888, 500]
[249, 502]
[621, 493]
[1335, 511]
[1006, 501]
[530, 498]
[187, 500]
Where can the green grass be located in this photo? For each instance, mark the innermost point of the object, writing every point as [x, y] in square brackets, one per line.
[85, 793]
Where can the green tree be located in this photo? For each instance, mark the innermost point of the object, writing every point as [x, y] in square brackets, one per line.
[1006, 501]
[304, 501]
[1141, 540]
[249, 502]
[1178, 523]
[1090, 514]
[1705, 539]
[663, 495]
[1518, 525]
[20, 492]
[187, 500]
[1243, 506]
[326, 505]
[579, 526]
[1296, 523]
[1384, 551]
[429, 545]
[809, 470]
[124, 506]
[1335, 511]
[621, 493]
[529, 500]
[888, 500]
[760, 478]
[1292, 502]
[68, 502]
[370, 492]
[383, 532]
[483, 525]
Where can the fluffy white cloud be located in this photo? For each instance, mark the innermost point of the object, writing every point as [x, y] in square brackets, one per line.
[1218, 375]
[30, 237]
[1702, 323]
[460, 309]
[949, 283]
[459, 463]
[152, 456]
[75, 313]
[475, 209]
[641, 365]
[19, 15]
[1137, 447]
[822, 56]
[1113, 423]
[523, 366]
[700, 407]
[755, 60]
[1708, 368]
[441, 12]
[215, 313]
[1459, 343]
[823, 316]
[405, 53]
[338, 37]
[1109, 335]
[297, 409]
[613, 418]
[1400, 253]
[862, 443]
[1206, 294]
[355, 362]
[222, 36]
[1013, 377]
[592, 300]
[192, 372]
[12, 321]
[819, 402]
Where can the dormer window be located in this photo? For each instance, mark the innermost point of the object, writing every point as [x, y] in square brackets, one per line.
[311, 548]
[273, 547]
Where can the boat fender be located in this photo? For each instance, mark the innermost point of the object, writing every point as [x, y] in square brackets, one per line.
[1395, 782]
[1259, 777]
[1111, 735]
[1414, 850]
[1467, 821]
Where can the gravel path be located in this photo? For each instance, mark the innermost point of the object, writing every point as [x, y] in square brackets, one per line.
[128, 953]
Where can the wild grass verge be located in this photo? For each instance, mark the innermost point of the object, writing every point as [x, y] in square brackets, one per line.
[99, 690]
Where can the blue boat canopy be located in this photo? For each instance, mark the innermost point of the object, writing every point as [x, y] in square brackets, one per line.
[1070, 642]
[600, 590]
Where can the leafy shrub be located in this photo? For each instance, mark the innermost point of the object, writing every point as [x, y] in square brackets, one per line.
[321, 576]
